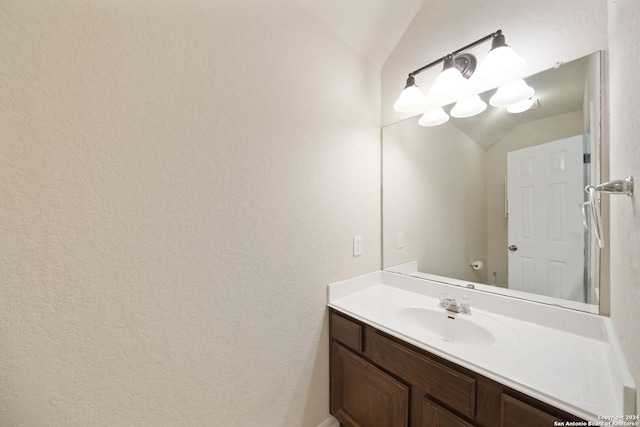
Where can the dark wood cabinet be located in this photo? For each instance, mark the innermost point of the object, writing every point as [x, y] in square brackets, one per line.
[440, 382]
[379, 380]
[365, 395]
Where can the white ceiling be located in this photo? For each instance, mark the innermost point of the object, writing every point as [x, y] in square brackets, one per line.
[371, 27]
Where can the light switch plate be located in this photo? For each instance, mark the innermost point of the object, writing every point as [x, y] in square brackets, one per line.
[357, 245]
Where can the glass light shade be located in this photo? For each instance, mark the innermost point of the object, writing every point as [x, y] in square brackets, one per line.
[434, 117]
[521, 106]
[511, 93]
[449, 83]
[468, 107]
[500, 64]
[410, 100]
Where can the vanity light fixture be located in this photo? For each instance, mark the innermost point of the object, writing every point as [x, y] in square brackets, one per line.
[511, 93]
[501, 62]
[411, 98]
[469, 106]
[434, 117]
[453, 83]
[521, 106]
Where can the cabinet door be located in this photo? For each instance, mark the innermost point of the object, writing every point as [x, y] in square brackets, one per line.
[450, 387]
[363, 395]
[435, 416]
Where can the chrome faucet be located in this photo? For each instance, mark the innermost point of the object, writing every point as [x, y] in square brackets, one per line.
[450, 304]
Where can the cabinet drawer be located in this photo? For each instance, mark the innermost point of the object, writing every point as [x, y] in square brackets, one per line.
[435, 416]
[346, 331]
[445, 385]
[516, 413]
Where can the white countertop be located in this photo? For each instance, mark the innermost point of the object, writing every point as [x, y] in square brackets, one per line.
[566, 358]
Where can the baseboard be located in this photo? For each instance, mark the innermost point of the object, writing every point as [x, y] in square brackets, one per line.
[330, 422]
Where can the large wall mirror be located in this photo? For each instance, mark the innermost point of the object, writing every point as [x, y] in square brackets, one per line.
[497, 199]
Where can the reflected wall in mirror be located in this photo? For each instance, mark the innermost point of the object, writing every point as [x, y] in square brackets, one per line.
[503, 189]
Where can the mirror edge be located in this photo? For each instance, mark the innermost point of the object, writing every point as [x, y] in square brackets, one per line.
[604, 302]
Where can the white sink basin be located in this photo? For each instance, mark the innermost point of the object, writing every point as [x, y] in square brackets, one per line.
[464, 329]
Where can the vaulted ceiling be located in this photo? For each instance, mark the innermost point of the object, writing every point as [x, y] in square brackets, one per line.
[372, 28]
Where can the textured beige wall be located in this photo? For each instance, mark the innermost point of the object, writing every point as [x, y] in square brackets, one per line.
[179, 182]
[624, 111]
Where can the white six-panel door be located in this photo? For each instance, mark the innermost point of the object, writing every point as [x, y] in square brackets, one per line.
[546, 235]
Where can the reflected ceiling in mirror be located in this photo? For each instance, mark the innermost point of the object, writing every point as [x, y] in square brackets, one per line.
[458, 193]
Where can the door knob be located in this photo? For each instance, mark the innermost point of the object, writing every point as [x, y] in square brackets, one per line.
[513, 248]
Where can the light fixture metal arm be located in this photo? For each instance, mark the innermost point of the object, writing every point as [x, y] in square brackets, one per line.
[462, 49]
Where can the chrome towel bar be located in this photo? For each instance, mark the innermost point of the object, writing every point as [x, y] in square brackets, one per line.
[618, 186]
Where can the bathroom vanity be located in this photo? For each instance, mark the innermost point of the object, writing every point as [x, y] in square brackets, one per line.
[392, 383]
[398, 359]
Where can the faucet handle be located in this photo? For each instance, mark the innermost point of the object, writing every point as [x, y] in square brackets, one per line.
[443, 298]
[465, 304]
